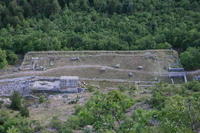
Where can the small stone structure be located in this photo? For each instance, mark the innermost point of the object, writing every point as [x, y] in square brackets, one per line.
[177, 73]
[35, 61]
[74, 59]
[69, 82]
[25, 86]
[170, 69]
[8, 88]
[197, 77]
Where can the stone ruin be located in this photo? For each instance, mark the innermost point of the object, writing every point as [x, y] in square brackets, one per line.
[197, 77]
[64, 84]
[23, 87]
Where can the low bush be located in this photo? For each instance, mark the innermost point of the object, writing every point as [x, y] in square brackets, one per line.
[194, 86]
[102, 111]
[16, 101]
[3, 61]
[42, 99]
[1, 103]
[10, 123]
[59, 126]
[24, 111]
[12, 58]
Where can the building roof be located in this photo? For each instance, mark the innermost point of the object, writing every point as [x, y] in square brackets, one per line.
[69, 77]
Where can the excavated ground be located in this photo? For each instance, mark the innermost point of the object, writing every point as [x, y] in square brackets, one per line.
[147, 65]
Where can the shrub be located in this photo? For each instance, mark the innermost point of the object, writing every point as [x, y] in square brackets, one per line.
[60, 126]
[42, 99]
[12, 123]
[13, 130]
[73, 122]
[24, 111]
[102, 110]
[158, 100]
[3, 61]
[190, 58]
[1, 103]
[175, 116]
[12, 58]
[91, 88]
[16, 101]
[56, 123]
[194, 86]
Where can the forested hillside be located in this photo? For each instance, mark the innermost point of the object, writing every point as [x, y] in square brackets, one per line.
[167, 109]
[33, 25]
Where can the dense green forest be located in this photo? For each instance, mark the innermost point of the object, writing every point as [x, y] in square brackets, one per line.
[32, 25]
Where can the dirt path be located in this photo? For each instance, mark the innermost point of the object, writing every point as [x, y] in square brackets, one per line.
[193, 72]
[35, 73]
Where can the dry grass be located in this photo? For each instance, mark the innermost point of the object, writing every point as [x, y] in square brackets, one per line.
[151, 60]
[57, 106]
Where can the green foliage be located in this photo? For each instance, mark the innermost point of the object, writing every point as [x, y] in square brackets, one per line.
[176, 116]
[139, 122]
[10, 123]
[17, 104]
[193, 85]
[12, 58]
[16, 101]
[102, 111]
[59, 126]
[24, 111]
[42, 99]
[3, 61]
[32, 25]
[1, 103]
[91, 88]
[190, 58]
[178, 107]
[13, 130]
[175, 109]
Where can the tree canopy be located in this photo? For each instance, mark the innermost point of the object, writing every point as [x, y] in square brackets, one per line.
[32, 25]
